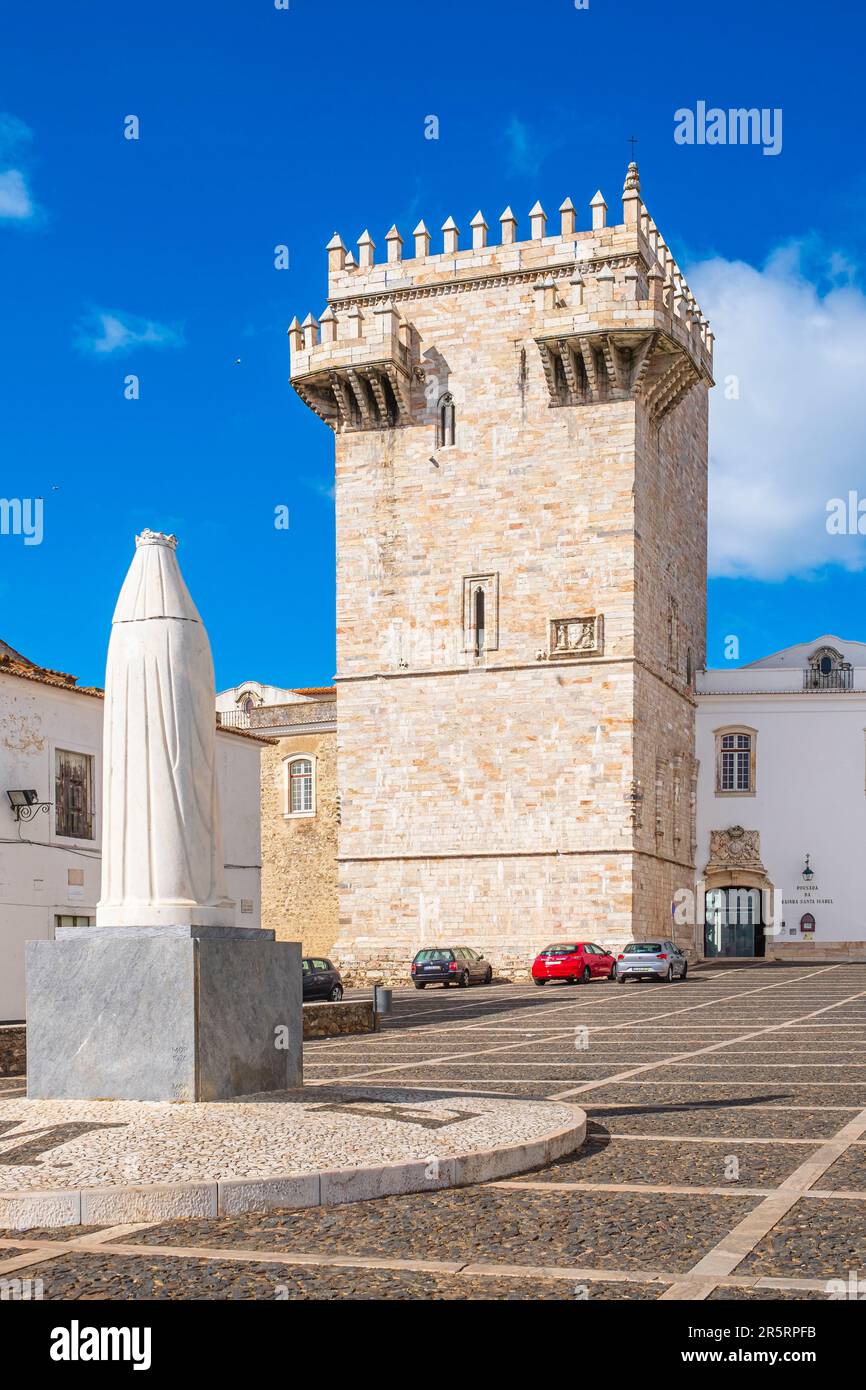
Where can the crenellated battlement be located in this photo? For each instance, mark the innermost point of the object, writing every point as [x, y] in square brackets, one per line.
[613, 316]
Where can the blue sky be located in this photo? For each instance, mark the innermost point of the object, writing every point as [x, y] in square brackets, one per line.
[261, 126]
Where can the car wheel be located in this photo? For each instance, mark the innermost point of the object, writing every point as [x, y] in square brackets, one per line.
[336, 994]
[539, 982]
[417, 986]
[464, 980]
[612, 975]
[669, 977]
[620, 979]
[685, 970]
[488, 978]
[586, 976]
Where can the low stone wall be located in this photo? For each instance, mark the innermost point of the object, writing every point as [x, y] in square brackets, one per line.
[13, 1049]
[817, 952]
[392, 966]
[336, 1020]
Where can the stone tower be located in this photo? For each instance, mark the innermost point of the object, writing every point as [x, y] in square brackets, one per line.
[521, 459]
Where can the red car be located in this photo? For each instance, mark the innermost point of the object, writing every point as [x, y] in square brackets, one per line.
[573, 961]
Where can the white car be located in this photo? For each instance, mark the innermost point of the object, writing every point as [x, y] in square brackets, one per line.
[651, 960]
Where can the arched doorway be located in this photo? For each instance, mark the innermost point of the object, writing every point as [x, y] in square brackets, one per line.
[734, 922]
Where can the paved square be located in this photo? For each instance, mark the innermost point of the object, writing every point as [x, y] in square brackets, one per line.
[725, 1157]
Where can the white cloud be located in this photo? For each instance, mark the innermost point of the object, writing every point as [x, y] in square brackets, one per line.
[795, 438]
[106, 332]
[15, 200]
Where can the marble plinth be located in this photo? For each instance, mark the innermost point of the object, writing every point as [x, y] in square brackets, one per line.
[174, 1013]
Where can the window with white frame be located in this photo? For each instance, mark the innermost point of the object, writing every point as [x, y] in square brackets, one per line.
[300, 786]
[735, 761]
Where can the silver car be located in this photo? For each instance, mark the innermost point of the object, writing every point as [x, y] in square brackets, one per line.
[651, 960]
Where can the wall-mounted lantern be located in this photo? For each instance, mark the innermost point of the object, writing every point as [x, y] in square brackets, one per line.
[26, 803]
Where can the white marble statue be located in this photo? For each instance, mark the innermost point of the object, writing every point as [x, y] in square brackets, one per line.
[162, 859]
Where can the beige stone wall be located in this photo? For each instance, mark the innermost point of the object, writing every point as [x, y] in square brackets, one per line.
[492, 801]
[299, 854]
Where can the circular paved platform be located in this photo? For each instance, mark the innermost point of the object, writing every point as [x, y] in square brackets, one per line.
[69, 1162]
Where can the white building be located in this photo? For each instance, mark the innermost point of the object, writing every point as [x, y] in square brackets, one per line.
[51, 758]
[781, 814]
[237, 706]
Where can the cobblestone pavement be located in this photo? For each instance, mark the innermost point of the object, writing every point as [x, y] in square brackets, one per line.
[725, 1158]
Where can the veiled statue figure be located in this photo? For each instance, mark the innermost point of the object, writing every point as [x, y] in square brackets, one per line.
[162, 857]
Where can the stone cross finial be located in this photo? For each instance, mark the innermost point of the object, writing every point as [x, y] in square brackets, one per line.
[537, 222]
[394, 242]
[422, 240]
[366, 247]
[509, 227]
[336, 254]
[479, 231]
[452, 236]
[569, 218]
[599, 211]
[632, 179]
[631, 200]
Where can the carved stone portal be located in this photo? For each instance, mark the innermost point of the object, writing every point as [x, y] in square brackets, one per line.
[735, 848]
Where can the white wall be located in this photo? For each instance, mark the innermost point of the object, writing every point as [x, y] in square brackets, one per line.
[35, 888]
[810, 798]
[267, 694]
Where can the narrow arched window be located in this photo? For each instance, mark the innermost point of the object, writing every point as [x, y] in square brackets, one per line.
[479, 623]
[445, 421]
[300, 787]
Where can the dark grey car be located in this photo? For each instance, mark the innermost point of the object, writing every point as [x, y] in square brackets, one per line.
[321, 979]
[450, 965]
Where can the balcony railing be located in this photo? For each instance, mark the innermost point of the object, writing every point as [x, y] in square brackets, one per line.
[233, 718]
[840, 679]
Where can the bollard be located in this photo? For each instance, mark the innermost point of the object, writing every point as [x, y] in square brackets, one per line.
[382, 999]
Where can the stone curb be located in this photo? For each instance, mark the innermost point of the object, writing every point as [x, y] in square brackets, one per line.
[331, 1187]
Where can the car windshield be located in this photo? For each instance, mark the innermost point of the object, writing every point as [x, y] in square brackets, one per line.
[435, 953]
[643, 948]
[558, 950]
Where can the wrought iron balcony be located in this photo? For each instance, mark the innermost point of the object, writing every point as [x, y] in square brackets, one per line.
[842, 678]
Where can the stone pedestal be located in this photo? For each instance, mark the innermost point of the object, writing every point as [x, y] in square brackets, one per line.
[163, 1013]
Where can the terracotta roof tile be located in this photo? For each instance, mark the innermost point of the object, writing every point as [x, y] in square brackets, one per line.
[315, 690]
[44, 676]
